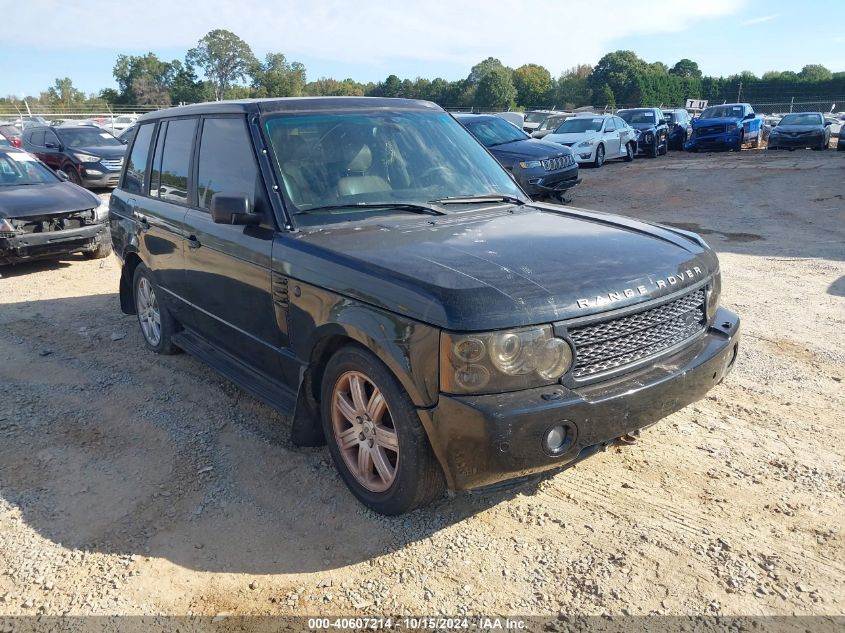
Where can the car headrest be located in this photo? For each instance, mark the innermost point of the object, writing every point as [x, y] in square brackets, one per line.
[362, 161]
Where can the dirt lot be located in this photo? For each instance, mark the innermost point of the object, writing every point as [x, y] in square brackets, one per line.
[137, 484]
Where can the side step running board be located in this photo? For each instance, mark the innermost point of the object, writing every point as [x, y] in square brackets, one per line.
[270, 391]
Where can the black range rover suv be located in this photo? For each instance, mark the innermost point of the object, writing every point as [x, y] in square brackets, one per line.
[368, 267]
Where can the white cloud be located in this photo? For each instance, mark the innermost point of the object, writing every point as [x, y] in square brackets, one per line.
[760, 20]
[366, 32]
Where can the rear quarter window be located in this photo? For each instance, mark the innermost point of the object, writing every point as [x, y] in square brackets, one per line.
[136, 166]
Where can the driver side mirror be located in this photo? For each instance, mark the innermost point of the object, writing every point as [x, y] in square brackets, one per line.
[233, 208]
[62, 175]
[56, 146]
[748, 117]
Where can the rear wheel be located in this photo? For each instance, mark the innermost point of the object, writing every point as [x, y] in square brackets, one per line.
[157, 326]
[599, 160]
[375, 436]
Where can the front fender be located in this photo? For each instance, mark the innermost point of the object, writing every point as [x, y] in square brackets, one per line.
[408, 348]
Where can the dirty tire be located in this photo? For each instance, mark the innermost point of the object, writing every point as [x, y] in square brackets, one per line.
[418, 478]
[629, 152]
[655, 149]
[665, 148]
[73, 175]
[103, 250]
[167, 325]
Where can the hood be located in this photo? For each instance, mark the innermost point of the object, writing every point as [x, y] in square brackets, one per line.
[103, 151]
[499, 267]
[717, 121]
[22, 201]
[529, 148]
[570, 138]
[644, 125]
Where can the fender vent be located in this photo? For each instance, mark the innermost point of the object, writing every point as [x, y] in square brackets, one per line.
[280, 290]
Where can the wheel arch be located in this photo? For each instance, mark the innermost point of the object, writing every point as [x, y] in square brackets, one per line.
[131, 260]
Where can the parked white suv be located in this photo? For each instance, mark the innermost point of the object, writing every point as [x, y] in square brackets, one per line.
[595, 138]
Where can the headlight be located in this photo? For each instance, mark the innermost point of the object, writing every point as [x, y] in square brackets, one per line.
[731, 127]
[647, 137]
[529, 164]
[102, 212]
[714, 291]
[586, 143]
[502, 361]
[6, 226]
[86, 158]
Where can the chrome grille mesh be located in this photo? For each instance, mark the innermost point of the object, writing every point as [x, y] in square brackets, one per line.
[613, 344]
[112, 164]
[558, 162]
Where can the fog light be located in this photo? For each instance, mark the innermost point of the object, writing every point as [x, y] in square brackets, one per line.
[558, 439]
[93, 172]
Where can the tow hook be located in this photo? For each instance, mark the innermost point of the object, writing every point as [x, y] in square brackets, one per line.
[628, 438]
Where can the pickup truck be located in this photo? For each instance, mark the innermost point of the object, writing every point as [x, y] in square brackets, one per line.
[368, 267]
[726, 127]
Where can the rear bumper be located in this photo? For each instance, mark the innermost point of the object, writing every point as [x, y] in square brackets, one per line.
[29, 246]
[483, 440]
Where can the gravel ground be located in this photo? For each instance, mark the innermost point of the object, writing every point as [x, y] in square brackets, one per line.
[138, 484]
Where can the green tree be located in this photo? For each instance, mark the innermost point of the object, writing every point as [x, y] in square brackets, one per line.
[392, 87]
[478, 72]
[224, 58]
[605, 97]
[686, 68]
[278, 78]
[146, 73]
[533, 84]
[63, 93]
[572, 89]
[184, 85]
[815, 72]
[620, 71]
[496, 90]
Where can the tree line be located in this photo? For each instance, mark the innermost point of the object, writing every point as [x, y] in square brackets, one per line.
[223, 66]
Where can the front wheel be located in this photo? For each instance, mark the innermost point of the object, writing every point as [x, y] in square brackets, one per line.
[102, 251]
[375, 436]
[665, 149]
[629, 152]
[73, 175]
[599, 160]
[655, 149]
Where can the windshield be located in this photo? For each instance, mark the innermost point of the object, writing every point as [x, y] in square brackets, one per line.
[331, 159]
[535, 117]
[637, 116]
[87, 137]
[579, 125]
[493, 131]
[669, 117]
[551, 122]
[18, 168]
[722, 112]
[801, 119]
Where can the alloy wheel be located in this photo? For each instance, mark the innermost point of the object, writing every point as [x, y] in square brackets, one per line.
[149, 315]
[364, 431]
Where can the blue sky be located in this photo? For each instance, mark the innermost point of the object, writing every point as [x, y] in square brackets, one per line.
[82, 40]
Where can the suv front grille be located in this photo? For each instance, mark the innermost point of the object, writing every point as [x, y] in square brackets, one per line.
[611, 345]
[558, 162]
[112, 164]
[710, 129]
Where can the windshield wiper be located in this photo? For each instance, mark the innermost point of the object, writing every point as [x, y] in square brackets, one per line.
[412, 207]
[485, 197]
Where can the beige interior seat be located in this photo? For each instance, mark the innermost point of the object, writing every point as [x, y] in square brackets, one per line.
[359, 181]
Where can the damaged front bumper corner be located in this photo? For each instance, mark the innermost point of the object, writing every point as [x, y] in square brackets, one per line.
[20, 247]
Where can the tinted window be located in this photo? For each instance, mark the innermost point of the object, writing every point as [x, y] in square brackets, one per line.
[620, 124]
[50, 137]
[136, 167]
[87, 137]
[226, 161]
[493, 131]
[609, 126]
[37, 138]
[175, 161]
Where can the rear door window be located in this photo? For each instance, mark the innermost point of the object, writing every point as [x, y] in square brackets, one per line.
[173, 160]
[136, 167]
[226, 160]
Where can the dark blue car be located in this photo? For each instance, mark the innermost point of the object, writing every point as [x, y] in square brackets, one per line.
[725, 127]
[541, 168]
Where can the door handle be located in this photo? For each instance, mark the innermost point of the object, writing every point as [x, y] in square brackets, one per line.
[193, 242]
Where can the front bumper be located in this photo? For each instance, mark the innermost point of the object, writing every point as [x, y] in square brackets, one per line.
[28, 246]
[726, 140]
[541, 182]
[795, 142]
[484, 440]
[104, 179]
